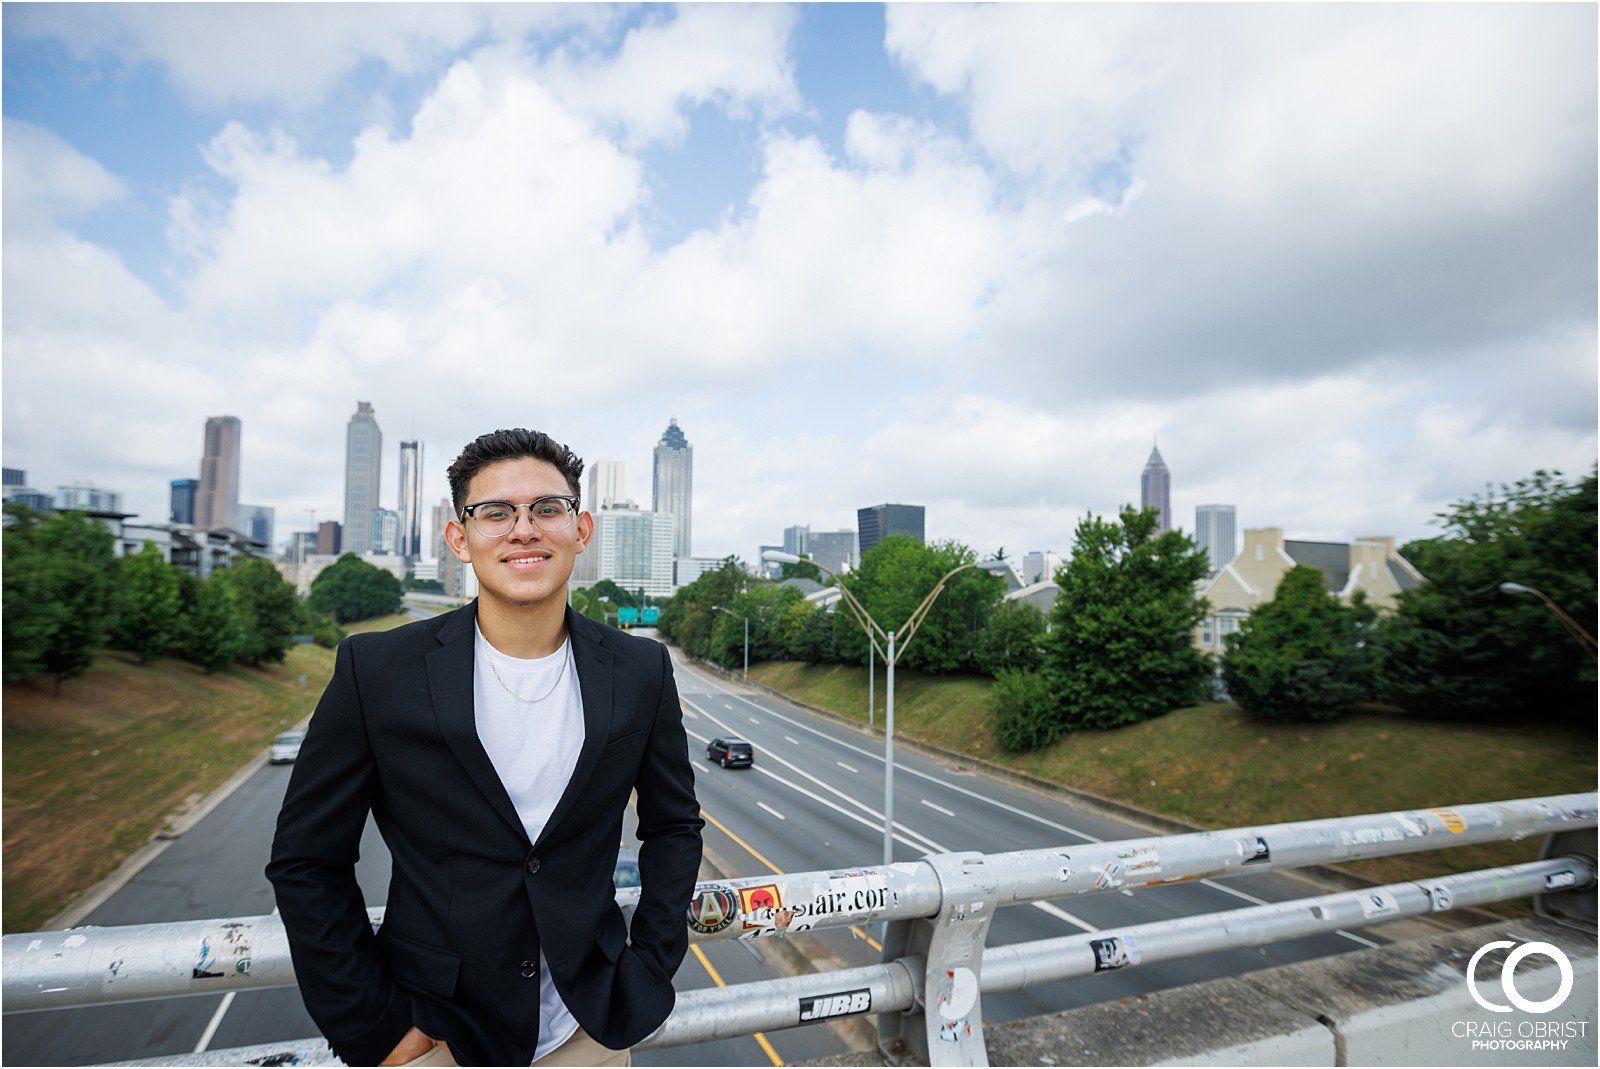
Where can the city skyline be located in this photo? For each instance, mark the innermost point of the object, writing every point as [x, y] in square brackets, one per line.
[862, 265]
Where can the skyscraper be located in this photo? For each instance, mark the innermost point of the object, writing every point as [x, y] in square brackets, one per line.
[184, 492]
[385, 535]
[876, 522]
[832, 549]
[1155, 488]
[673, 484]
[636, 550]
[605, 485]
[794, 540]
[363, 466]
[410, 541]
[1214, 530]
[257, 522]
[216, 503]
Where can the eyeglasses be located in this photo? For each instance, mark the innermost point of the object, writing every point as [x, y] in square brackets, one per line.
[495, 519]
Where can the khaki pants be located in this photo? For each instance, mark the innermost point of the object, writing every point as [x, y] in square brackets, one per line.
[579, 1050]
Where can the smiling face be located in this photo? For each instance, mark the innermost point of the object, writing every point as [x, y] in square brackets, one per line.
[528, 566]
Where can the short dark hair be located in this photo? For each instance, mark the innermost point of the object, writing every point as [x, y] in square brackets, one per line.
[518, 444]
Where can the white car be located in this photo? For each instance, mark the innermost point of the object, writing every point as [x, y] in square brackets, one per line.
[286, 747]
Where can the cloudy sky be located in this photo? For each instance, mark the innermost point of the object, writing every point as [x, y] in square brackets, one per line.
[1341, 260]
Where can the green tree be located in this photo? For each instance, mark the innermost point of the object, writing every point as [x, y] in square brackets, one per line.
[351, 589]
[688, 617]
[1120, 648]
[894, 577]
[803, 570]
[1456, 646]
[148, 606]
[32, 613]
[1027, 712]
[269, 610]
[1013, 638]
[1303, 655]
[588, 603]
[215, 636]
[766, 606]
[618, 596]
[812, 639]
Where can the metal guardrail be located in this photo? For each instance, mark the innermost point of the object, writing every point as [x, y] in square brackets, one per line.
[928, 991]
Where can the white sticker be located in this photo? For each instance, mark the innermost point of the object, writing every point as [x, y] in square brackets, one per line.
[1378, 904]
[963, 994]
[1439, 895]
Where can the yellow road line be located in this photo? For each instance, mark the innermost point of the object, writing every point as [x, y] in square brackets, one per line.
[753, 852]
[716, 978]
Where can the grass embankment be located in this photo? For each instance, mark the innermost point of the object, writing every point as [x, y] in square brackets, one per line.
[90, 776]
[1218, 767]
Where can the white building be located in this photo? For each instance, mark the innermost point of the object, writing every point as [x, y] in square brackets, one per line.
[363, 466]
[1214, 531]
[87, 497]
[1040, 566]
[636, 550]
[605, 485]
[687, 569]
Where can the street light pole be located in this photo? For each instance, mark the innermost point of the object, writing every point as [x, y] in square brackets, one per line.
[891, 655]
[1585, 640]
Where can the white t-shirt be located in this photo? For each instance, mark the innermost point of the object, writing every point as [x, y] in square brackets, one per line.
[533, 745]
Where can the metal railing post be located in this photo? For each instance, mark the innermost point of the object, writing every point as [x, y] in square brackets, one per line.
[1564, 902]
[944, 1026]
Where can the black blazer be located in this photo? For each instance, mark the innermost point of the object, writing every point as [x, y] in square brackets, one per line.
[471, 901]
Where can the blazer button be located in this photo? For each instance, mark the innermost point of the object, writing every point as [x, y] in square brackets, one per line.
[530, 969]
[533, 865]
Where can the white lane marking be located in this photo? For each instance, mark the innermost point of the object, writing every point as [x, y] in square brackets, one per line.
[994, 801]
[753, 720]
[940, 808]
[847, 768]
[771, 810]
[1061, 914]
[692, 714]
[216, 1019]
[792, 739]
[878, 757]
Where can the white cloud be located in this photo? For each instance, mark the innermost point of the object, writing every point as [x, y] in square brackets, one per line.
[733, 56]
[290, 54]
[1317, 185]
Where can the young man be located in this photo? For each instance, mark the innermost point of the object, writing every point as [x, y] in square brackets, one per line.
[496, 747]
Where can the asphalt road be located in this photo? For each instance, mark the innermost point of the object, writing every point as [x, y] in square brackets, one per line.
[812, 801]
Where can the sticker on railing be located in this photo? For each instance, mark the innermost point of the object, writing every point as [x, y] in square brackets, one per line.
[849, 893]
[955, 1002]
[224, 949]
[1378, 904]
[1557, 880]
[1454, 822]
[1440, 897]
[1115, 952]
[1140, 862]
[1255, 853]
[714, 909]
[835, 1004]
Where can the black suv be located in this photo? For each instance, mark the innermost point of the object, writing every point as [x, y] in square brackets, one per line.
[731, 753]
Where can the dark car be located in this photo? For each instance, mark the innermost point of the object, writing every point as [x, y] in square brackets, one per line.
[731, 753]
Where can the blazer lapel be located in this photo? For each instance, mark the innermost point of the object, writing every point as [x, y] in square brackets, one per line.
[450, 685]
[595, 686]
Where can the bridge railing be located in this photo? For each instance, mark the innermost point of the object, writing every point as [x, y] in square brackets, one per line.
[928, 990]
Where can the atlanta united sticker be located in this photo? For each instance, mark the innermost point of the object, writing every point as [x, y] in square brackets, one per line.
[715, 907]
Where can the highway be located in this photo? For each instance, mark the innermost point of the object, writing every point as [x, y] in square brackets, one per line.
[812, 801]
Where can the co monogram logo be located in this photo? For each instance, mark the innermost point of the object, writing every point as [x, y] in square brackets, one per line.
[1508, 980]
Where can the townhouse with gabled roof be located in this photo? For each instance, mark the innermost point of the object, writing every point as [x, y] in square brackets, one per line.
[1372, 564]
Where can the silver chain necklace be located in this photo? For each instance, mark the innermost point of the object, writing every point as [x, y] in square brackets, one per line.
[533, 701]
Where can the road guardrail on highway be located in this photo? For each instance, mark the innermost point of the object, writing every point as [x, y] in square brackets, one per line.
[927, 992]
